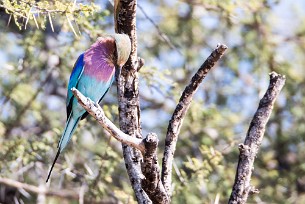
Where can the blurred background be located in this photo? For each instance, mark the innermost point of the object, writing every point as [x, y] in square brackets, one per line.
[40, 41]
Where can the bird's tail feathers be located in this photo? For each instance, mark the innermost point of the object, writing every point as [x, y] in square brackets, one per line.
[68, 132]
[65, 138]
[49, 174]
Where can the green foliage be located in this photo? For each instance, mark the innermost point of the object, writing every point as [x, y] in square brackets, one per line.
[27, 11]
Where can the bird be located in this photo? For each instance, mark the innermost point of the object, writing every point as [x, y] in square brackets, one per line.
[93, 74]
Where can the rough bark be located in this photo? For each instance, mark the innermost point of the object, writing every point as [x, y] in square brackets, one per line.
[128, 96]
[180, 112]
[150, 167]
[248, 150]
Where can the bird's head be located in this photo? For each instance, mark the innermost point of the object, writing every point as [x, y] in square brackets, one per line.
[123, 48]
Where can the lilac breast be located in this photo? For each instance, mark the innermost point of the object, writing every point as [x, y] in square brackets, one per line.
[99, 59]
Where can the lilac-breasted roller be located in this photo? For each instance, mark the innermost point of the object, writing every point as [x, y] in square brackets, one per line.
[93, 74]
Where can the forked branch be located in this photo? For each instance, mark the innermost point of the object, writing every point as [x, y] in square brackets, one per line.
[97, 112]
[151, 181]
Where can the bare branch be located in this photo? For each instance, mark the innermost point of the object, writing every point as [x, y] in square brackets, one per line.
[152, 183]
[42, 191]
[249, 148]
[97, 112]
[180, 112]
[39, 190]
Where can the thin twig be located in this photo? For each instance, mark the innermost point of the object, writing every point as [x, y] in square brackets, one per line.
[63, 194]
[160, 32]
[180, 112]
[97, 112]
[37, 190]
[248, 150]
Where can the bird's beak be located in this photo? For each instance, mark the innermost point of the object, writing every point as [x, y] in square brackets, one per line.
[117, 71]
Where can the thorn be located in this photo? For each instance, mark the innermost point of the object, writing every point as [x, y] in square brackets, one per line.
[9, 20]
[27, 18]
[35, 21]
[70, 24]
[50, 19]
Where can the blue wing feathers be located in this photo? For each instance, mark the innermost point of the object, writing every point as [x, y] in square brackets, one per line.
[75, 75]
[74, 78]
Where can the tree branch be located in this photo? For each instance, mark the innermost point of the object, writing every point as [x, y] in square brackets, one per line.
[128, 95]
[63, 194]
[97, 112]
[34, 189]
[152, 183]
[248, 150]
[180, 112]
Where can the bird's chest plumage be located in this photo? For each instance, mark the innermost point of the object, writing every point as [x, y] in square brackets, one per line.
[101, 70]
[99, 60]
